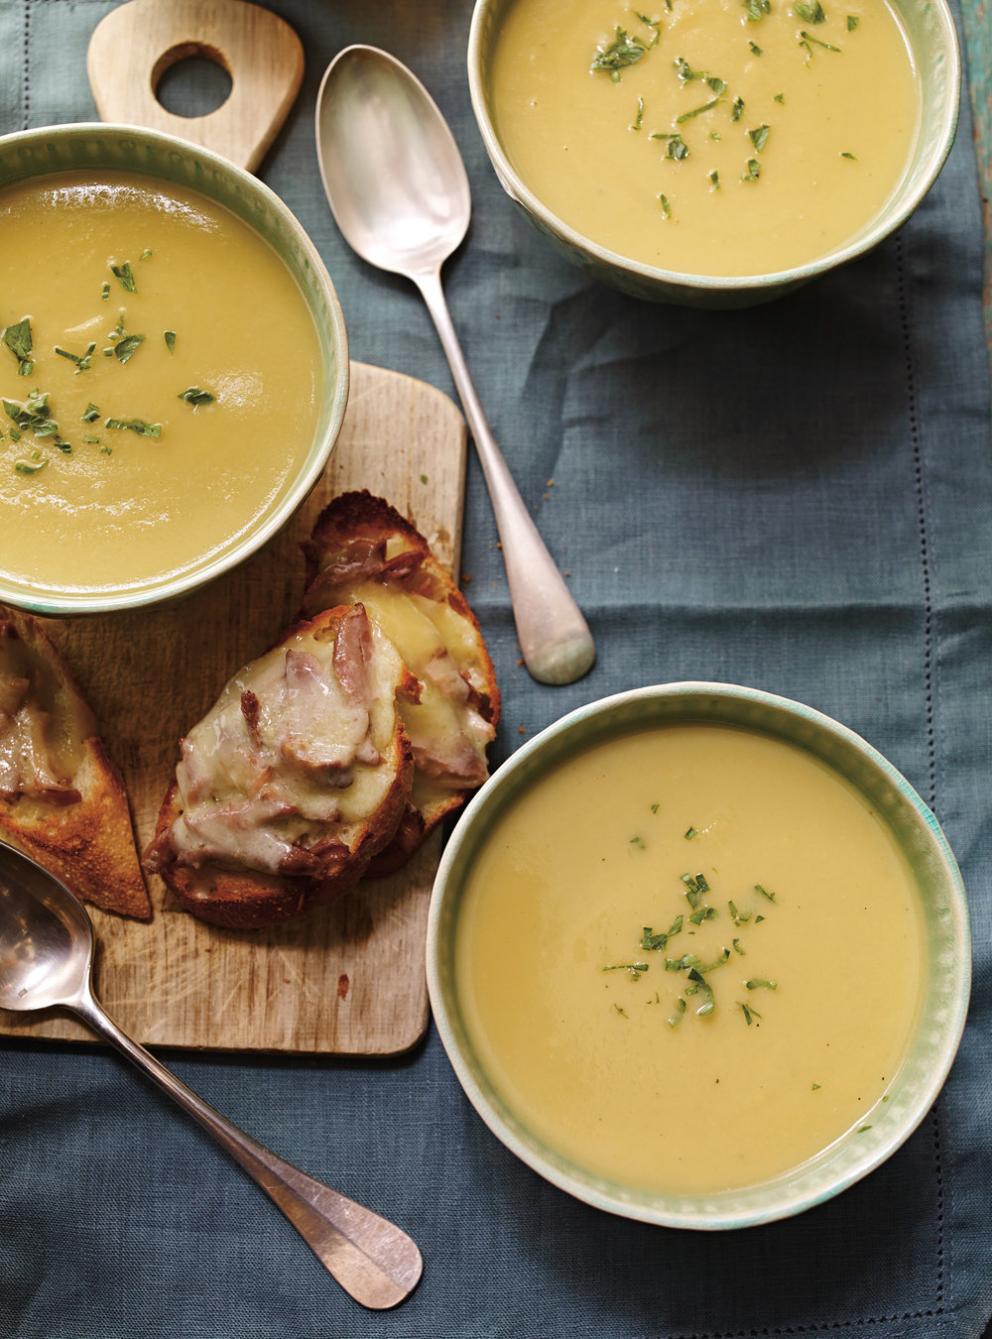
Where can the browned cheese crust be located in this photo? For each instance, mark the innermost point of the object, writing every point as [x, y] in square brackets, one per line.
[246, 899]
[349, 545]
[80, 828]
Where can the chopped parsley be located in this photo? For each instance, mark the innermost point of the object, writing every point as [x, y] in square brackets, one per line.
[755, 49]
[757, 9]
[137, 425]
[714, 178]
[695, 887]
[91, 413]
[749, 1012]
[810, 11]
[677, 148]
[633, 969]
[807, 41]
[676, 1017]
[738, 917]
[653, 24]
[170, 340]
[687, 74]
[104, 291]
[703, 914]
[146, 254]
[752, 171]
[32, 466]
[127, 347]
[34, 416]
[638, 120]
[650, 940]
[816, 1087]
[850, 156]
[760, 983]
[124, 276]
[779, 97]
[765, 893]
[623, 51]
[702, 987]
[696, 111]
[758, 137]
[689, 834]
[852, 22]
[736, 109]
[195, 396]
[83, 361]
[637, 840]
[17, 338]
[737, 947]
[666, 208]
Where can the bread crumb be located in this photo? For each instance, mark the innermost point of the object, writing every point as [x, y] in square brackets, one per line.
[521, 729]
[343, 984]
[520, 662]
[466, 578]
[550, 483]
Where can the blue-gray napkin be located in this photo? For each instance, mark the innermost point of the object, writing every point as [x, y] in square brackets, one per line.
[797, 497]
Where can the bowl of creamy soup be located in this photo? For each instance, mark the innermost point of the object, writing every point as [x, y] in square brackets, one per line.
[715, 152]
[173, 367]
[699, 955]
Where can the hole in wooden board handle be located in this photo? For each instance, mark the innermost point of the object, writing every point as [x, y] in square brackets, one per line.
[134, 45]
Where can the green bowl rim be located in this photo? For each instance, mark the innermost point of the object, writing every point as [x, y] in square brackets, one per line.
[56, 606]
[523, 195]
[784, 1206]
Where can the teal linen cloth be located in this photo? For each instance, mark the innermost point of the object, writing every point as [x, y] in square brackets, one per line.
[797, 497]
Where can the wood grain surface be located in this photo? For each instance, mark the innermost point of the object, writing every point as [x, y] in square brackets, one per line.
[349, 980]
[135, 44]
[977, 18]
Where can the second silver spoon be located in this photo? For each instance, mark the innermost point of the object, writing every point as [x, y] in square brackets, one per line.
[397, 187]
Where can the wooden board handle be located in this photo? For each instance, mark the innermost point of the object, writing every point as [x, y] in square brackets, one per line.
[135, 44]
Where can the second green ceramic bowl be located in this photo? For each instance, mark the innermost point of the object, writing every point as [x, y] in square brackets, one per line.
[96, 148]
[940, 1017]
[933, 38]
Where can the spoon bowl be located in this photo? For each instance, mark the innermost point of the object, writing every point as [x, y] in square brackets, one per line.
[391, 169]
[46, 940]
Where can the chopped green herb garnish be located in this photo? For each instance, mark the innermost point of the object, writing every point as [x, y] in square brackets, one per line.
[757, 9]
[750, 1013]
[633, 969]
[772, 897]
[621, 1011]
[808, 41]
[650, 940]
[696, 111]
[779, 97]
[83, 361]
[124, 276]
[850, 156]
[863, 1129]
[137, 425]
[106, 450]
[736, 109]
[677, 148]
[714, 178]
[758, 920]
[17, 338]
[703, 986]
[654, 808]
[810, 11]
[695, 887]
[690, 832]
[423, 478]
[687, 74]
[703, 914]
[624, 50]
[760, 983]
[638, 842]
[680, 964]
[852, 22]
[666, 208]
[755, 49]
[738, 917]
[104, 291]
[29, 466]
[91, 441]
[170, 340]
[126, 348]
[34, 416]
[758, 137]
[653, 24]
[737, 947]
[91, 413]
[638, 120]
[816, 1087]
[145, 255]
[715, 134]
[676, 1017]
[718, 962]
[195, 396]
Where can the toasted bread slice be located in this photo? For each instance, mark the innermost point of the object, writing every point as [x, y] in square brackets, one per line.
[296, 777]
[363, 551]
[62, 802]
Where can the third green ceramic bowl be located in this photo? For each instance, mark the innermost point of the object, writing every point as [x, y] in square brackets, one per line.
[933, 38]
[947, 974]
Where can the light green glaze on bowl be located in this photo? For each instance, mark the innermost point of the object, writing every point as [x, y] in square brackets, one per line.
[97, 147]
[940, 1018]
[933, 38]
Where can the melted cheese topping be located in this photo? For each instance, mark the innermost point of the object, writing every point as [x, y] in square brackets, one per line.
[42, 728]
[292, 753]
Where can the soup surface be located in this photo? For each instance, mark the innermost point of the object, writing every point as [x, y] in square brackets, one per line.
[742, 138]
[185, 397]
[690, 958]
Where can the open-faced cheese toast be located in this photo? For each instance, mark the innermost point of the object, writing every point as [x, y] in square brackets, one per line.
[363, 551]
[61, 800]
[296, 777]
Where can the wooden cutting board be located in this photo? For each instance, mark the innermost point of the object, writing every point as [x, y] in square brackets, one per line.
[350, 980]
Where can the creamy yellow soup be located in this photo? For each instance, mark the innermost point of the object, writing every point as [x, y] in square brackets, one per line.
[771, 1020]
[742, 138]
[123, 460]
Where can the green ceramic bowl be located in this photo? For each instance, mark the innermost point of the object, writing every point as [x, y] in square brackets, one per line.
[98, 147]
[940, 1018]
[933, 37]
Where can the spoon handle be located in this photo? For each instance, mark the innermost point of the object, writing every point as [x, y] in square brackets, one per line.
[371, 1258]
[555, 640]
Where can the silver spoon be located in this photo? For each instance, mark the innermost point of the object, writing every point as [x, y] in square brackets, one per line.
[397, 187]
[46, 960]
